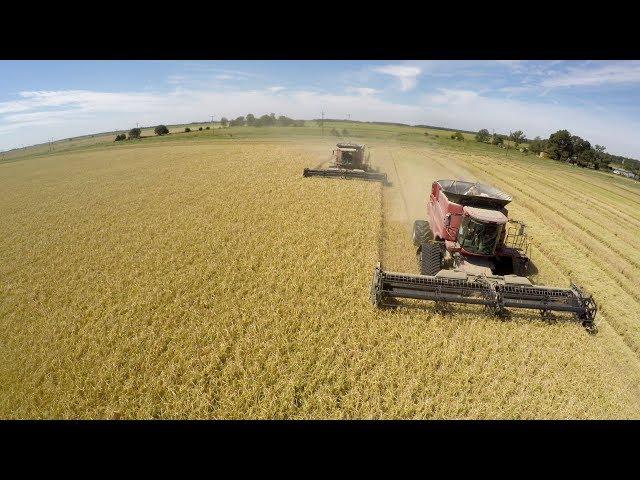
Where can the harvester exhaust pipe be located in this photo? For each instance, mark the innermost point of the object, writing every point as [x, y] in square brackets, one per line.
[496, 293]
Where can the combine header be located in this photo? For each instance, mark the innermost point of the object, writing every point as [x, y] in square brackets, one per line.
[348, 162]
[470, 252]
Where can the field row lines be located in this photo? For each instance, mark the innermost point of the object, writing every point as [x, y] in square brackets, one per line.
[575, 230]
[612, 316]
[604, 229]
[629, 340]
[606, 187]
[581, 196]
[594, 191]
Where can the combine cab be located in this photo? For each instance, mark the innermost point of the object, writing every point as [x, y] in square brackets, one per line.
[471, 252]
[348, 162]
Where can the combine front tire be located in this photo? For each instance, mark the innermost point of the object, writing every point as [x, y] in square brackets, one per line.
[430, 257]
[421, 233]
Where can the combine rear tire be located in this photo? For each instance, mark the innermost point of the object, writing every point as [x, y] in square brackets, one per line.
[520, 266]
[421, 233]
[430, 256]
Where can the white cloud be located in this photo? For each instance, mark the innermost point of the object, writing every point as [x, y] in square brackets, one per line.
[447, 96]
[276, 88]
[364, 91]
[619, 73]
[407, 75]
[470, 111]
[70, 113]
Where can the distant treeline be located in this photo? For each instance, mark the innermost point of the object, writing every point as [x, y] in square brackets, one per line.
[263, 121]
[320, 120]
[446, 129]
[561, 146]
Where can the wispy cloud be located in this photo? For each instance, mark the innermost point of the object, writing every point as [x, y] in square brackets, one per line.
[364, 91]
[471, 111]
[196, 74]
[447, 96]
[509, 96]
[620, 73]
[407, 75]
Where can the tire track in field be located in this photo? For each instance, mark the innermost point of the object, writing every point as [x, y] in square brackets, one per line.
[598, 242]
[584, 248]
[605, 313]
[582, 196]
[623, 235]
[401, 189]
[604, 310]
[600, 204]
[607, 189]
[621, 334]
[574, 237]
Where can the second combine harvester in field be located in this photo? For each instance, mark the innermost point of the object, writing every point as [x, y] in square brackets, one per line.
[470, 252]
[349, 161]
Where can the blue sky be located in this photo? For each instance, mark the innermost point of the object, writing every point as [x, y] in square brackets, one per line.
[598, 100]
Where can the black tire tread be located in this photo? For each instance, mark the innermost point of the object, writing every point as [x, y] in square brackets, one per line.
[421, 232]
[431, 256]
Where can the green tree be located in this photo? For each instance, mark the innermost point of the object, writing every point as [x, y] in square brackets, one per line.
[161, 130]
[285, 121]
[516, 137]
[482, 136]
[224, 122]
[582, 152]
[458, 136]
[559, 145]
[537, 145]
[265, 121]
[187, 130]
[601, 159]
[135, 133]
[238, 122]
[496, 139]
[251, 120]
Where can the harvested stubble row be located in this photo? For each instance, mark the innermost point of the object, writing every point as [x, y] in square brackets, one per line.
[216, 282]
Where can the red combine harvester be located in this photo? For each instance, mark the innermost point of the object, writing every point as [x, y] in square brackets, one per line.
[471, 252]
[349, 161]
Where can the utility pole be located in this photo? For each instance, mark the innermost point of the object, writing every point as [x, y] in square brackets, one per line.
[213, 127]
[322, 123]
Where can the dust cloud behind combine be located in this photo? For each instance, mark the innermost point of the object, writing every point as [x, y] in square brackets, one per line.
[411, 172]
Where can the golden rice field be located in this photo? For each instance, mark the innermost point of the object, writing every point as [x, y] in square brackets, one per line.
[213, 281]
